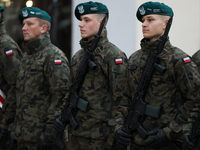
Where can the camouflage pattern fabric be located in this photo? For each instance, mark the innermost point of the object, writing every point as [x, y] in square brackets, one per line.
[81, 143]
[41, 86]
[101, 88]
[30, 146]
[10, 55]
[196, 59]
[164, 91]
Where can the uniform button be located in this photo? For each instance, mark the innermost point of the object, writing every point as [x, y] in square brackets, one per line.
[24, 109]
[22, 68]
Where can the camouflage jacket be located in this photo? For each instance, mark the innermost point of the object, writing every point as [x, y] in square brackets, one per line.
[196, 59]
[41, 86]
[10, 55]
[180, 78]
[101, 88]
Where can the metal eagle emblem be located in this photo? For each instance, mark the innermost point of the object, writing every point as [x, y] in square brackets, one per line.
[142, 11]
[81, 10]
[25, 13]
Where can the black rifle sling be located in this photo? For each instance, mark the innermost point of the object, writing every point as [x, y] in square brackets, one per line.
[81, 73]
[138, 106]
[83, 66]
[149, 68]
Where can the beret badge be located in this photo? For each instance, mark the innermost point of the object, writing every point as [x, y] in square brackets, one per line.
[25, 13]
[81, 10]
[142, 11]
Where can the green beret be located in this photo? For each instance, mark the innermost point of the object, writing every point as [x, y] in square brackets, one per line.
[28, 12]
[90, 8]
[1, 8]
[153, 8]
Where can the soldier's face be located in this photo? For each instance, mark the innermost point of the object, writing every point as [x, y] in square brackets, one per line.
[31, 29]
[153, 27]
[89, 26]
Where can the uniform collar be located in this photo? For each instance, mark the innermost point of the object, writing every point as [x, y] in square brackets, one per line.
[40, 43]
[147, 46]
[87, 44]
[2, 28]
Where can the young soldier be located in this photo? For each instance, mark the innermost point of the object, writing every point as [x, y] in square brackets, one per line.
[101, 87]
[187, 144]
[41, 84]
[196, 59]
[180, 78]
[10, 55]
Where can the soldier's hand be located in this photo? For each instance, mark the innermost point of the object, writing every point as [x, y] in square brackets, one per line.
[159, 140]
[42, 145]
[4, 136]
[187, 144]
[123, 138]
[59, 127]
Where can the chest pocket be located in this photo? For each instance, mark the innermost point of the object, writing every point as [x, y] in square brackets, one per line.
[95, 78]
[33, 69]
[132, 67]
[35, 74]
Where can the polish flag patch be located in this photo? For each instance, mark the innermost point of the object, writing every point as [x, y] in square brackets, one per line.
[57, 62]
[9, 52]
[2, 98]
[118, 61]
[187, 59]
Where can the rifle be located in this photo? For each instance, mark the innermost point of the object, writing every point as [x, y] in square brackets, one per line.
[74, 101]
[195, 132]
[138, 107]
[13, 143]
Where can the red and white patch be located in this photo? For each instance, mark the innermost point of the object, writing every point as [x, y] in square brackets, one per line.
[2, 98]
[187, 59]
[118, 61]
[57, 62]
[9, 52]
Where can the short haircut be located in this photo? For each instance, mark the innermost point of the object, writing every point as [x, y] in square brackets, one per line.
[164, 17]
[43, 21]
[101, 16]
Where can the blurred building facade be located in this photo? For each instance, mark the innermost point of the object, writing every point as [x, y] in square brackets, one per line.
[59, 10]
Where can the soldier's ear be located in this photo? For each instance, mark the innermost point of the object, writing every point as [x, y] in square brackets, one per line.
[166, 21]
[44, 28]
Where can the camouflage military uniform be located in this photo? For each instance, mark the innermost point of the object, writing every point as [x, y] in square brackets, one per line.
[41, 86]
[196, 59]
[163, 91]
[10, 55]
[102, 89]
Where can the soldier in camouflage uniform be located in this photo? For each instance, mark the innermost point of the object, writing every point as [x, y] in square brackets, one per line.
[10, 55]
[181, 76]
[196, 59]
[191, 146]
[102, 87]
[41, 83]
